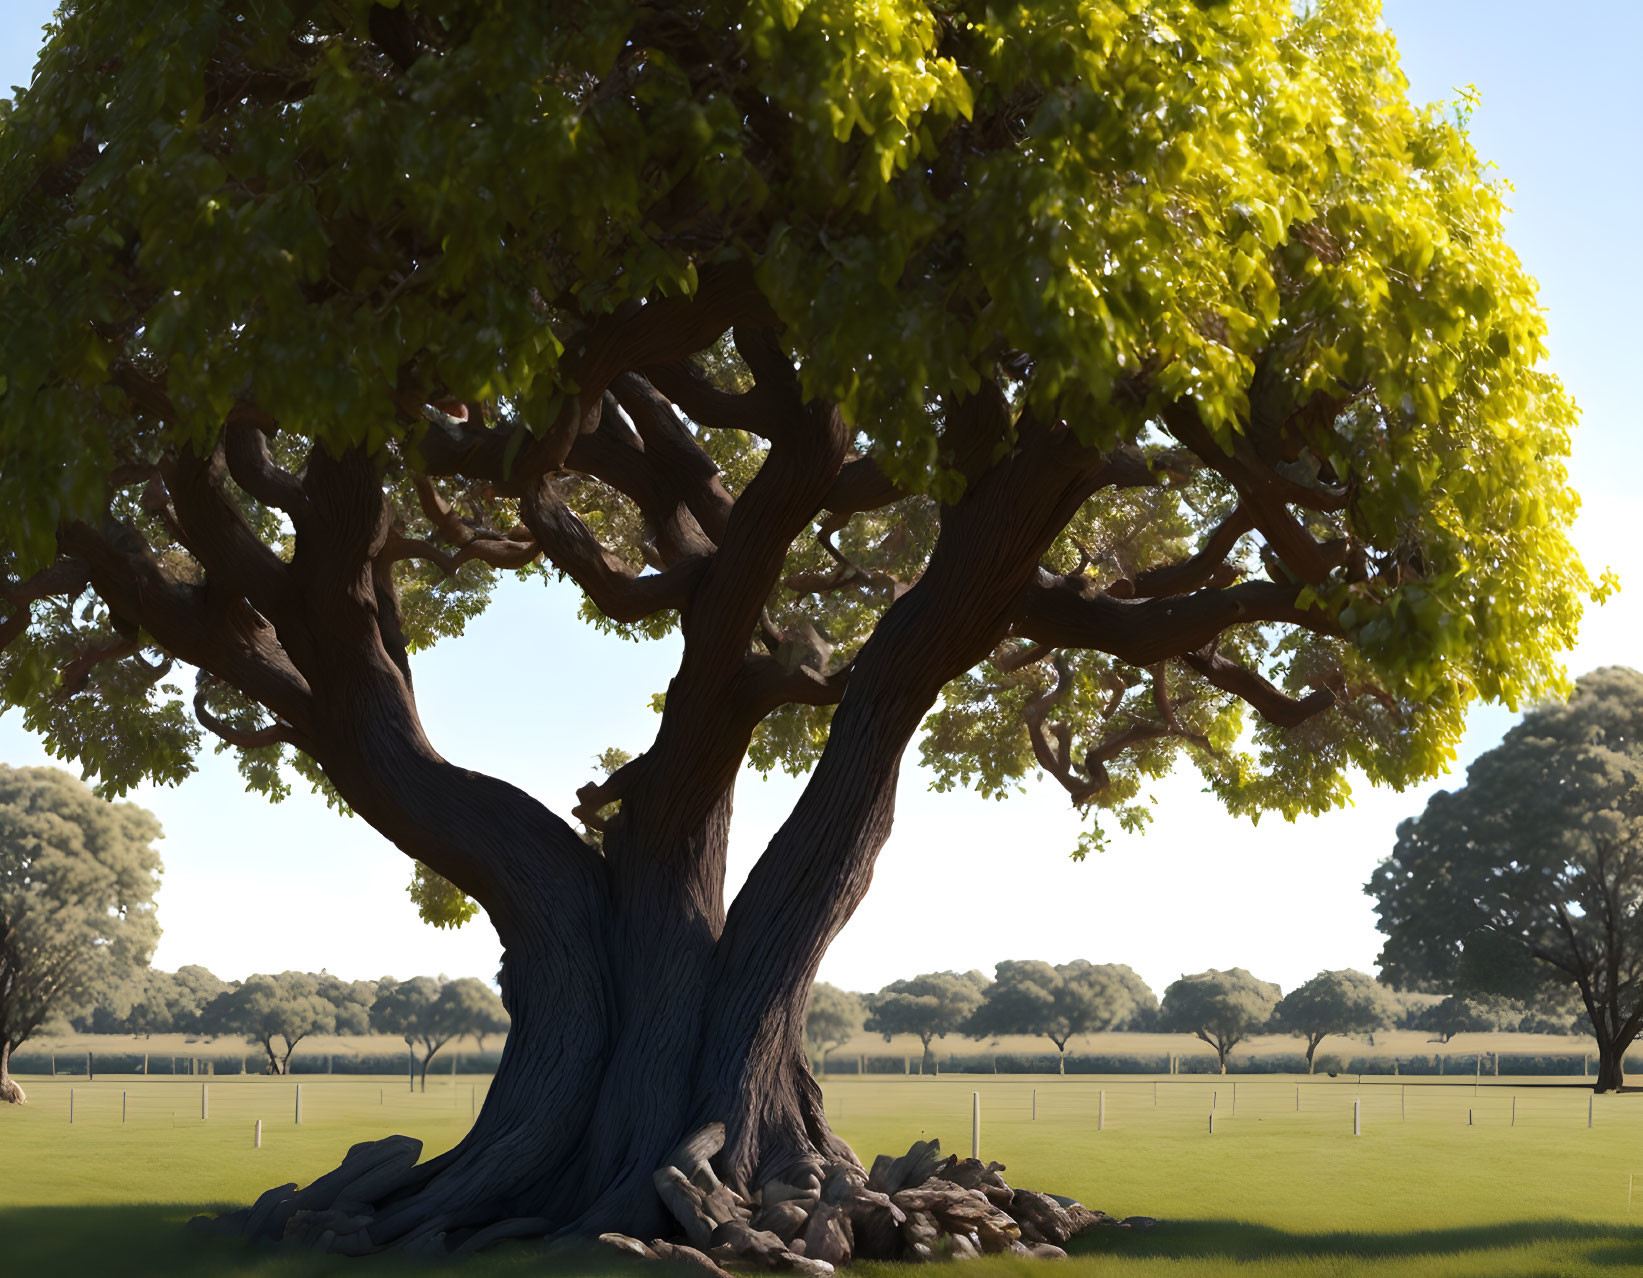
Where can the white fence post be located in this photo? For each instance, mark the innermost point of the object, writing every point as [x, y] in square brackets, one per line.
[256, 1139]
[71, 1106]
[298, 1118]
[205, 1101]
[975, 1124]
[1357, 1118]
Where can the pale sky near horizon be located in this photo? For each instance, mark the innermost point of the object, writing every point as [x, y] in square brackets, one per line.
[964, 882]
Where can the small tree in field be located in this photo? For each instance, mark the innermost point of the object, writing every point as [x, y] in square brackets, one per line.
[476, 1007]
[831, 1018]
[930, 1006]
[288, 1007]
[419, 1011]
[1221, 1008]
[1086, 388]
[1342, 1002]
[77, 882]
[1527, 882]
[1032, 997]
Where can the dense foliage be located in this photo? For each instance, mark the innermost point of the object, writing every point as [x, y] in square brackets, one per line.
[1183, 228]
[1530, 877]
[77, 882]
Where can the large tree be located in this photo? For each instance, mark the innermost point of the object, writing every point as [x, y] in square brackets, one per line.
[1220, 1007]
[1339, 1002]
[1028, 996]
[831, 1017]
[1531, 875]
[930, 1006]
[1104, 374]
[77, 882]
[289, 1006]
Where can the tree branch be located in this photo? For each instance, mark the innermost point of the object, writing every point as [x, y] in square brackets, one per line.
[1274, 706]
[1067, 612]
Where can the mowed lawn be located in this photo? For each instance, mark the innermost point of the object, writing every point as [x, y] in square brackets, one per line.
[1274, 1190]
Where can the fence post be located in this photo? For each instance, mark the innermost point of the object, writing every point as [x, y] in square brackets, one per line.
[71, 1106]
[298, 1118]
[90, 1076]
[1514, 1111]
[1212, 1122]
[1589, 1103]
[1035, 1104]
[1297, 1098]
[122, 1107]
[1101, 1111]
[256, 1140]
[1357, 1117]
[975, 1124]
[1468, 1117]
[205, 1101]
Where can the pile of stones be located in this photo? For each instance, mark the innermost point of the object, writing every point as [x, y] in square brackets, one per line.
[918, 1207]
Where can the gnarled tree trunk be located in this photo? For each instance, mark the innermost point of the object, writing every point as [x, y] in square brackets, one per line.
[1611, 1065]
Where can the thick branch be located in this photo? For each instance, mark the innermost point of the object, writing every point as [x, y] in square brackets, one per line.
[615, 590]
[1274, 706]
[1069, 613]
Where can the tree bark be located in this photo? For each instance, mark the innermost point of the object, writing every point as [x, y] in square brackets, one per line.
[10, 1092]
[1611, 1065]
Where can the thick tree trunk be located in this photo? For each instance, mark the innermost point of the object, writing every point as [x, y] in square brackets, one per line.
[642, 1012]
[1611, 1066]
[10, 1092]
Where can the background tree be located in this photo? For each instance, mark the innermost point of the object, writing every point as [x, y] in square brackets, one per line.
[1031, 997]
[77, 882]
[477, 1008]
[1531, 875]
[288, 1007]
[351, 1001]
[1340, 1002]
[1138, 383]
[1470, 1014]
[831, 1018]
[1221, 1008]
[420, 1013]
[930, 1006]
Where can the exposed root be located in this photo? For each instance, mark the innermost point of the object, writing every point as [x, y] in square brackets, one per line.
[10, 1092]
[918, 1207]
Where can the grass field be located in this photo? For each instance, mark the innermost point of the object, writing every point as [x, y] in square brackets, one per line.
[1272, 1191]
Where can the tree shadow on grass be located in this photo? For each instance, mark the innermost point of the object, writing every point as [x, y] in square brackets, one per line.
[1618, 1245]
[139, 1241]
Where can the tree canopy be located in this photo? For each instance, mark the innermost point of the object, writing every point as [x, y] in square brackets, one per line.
[77, 883]
[1340, 1002]
[1531, 875]
[1221, 1008]
[1028, 996]
[1121, 384]
[930, 1006]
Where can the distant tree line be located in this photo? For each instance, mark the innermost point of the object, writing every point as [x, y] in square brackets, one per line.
[1060, 1002]
[277, 1011]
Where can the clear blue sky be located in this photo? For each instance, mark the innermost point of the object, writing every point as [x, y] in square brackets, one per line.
[965, 883]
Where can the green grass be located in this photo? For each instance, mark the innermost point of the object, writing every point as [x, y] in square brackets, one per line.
[1272, 1191]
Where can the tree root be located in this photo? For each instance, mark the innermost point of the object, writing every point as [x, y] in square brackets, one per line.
[11, 1092]
[918, 1207]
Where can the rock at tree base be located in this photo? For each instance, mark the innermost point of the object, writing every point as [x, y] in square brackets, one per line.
[919, 1207]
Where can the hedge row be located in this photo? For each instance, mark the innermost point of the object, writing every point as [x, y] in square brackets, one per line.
[217, 1061]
